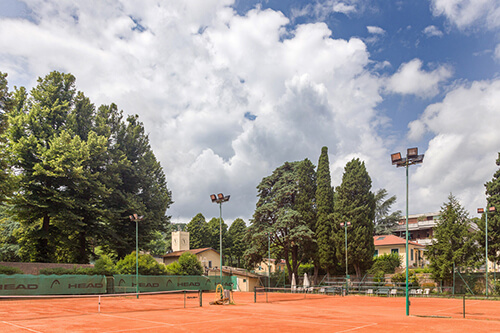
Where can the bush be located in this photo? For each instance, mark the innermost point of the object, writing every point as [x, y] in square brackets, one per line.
[104, 266]
[386, 263]
[401, 278]
[147, 265]
[188, 264]
[379, 277]
[10, 270]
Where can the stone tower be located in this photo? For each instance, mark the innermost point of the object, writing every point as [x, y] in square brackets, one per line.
[180, 241]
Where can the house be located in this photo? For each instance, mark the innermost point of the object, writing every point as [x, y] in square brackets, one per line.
[208, 257]
[242, 279]
[420, 228]
[271, 265]
[387, 244]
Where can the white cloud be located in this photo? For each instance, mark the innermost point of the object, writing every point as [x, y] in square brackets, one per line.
[192, 70]
[432, 31]
[496, 55]
[467, 13]
[320, 10]
[412, 79]
[464, 145]
[375, 30]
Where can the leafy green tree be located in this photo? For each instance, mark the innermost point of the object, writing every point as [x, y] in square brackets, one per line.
[386, 263]
[277, 216]
[355, 203]
[238, 241]
[197, 229]
[104, 266]
[454, 243]
[213, 234]
[493, 197]
[188, 264]
[325, 207]
[5, 107]
[80, 173]
[147, 265]
[9, 247]
[385, 222]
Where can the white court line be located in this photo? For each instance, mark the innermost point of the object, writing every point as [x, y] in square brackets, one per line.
[19, 326]
[137, 319]
[357, 328]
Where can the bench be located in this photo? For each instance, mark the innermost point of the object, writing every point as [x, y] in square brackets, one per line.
[383, 291]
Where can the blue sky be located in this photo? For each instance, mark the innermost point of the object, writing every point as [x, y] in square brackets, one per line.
[230, 89]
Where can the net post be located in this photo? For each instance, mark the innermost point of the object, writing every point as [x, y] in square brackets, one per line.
[201, 298]
[99, 305]
[185, 295]
[255, 294]
[464, 307]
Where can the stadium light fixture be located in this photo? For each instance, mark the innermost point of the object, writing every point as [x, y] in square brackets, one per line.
[136, 219]
[481, 211]
[345, 225]
[219, 199]
[412, 157]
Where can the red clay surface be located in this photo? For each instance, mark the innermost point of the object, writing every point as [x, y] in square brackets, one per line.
[314, 314]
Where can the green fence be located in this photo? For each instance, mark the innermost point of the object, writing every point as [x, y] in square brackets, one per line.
[24, 284]
[127, 283]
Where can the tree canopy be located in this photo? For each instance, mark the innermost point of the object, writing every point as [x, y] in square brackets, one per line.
[385, 222]
[454, 242]
[79, 173]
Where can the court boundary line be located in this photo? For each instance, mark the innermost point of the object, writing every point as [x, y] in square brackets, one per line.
[22, 327]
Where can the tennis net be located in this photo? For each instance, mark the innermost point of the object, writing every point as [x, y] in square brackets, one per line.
[269, 295]
[32, 307]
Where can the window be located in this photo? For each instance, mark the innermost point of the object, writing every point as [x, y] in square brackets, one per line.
[376, 253]
[395, 251]
[210, 264]
[411, 254]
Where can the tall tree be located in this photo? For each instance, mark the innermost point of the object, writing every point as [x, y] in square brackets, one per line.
[453, 242]
[385, 222]
[355, 203]
[197, 229]
[238, 241]
[493, 197]
[213, 235]
[80, 173]
[5, 107]
[325, 206]
[276, 216]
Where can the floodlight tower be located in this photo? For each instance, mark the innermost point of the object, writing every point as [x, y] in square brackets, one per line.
[412, 157]
[220, 198]
[345, 225]
[136, 219]
[481, 211]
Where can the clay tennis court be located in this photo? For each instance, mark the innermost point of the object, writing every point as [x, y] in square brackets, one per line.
[313, 314]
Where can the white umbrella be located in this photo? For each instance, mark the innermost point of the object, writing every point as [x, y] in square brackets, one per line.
[307, 284]
[294, 284]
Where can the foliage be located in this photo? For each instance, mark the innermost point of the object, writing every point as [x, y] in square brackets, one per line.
[385, 222]
[493, 198]
[213, 231]
[147, 265]
[80, 173]
[188, 264]
[160, 243]
[386, 263]
[9, 247]
[401, 278]
[5, 107]
[306, 268]
[197, 229]
[10, 270]
[454, 243]
[325, 205]
[238, 242]
[104, 266]
[354, 202]
[277, 216]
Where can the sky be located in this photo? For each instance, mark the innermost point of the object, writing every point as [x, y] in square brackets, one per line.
[228, 90]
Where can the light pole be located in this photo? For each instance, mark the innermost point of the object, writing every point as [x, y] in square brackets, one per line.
[345, 225]
[136, 219]
[269, 260]
[220, 198]
[412, 157]
[481, 211]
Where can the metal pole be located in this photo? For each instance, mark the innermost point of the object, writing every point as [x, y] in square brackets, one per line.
[269, 260]
[137, 257]
[346, 268]
[407, 295]
[220, 240]
[486, 257]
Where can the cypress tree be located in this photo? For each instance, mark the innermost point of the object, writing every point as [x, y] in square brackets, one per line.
[355, 203]
[493, 197]
[324, 204]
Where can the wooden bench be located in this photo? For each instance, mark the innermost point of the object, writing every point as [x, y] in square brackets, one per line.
[383, 291]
